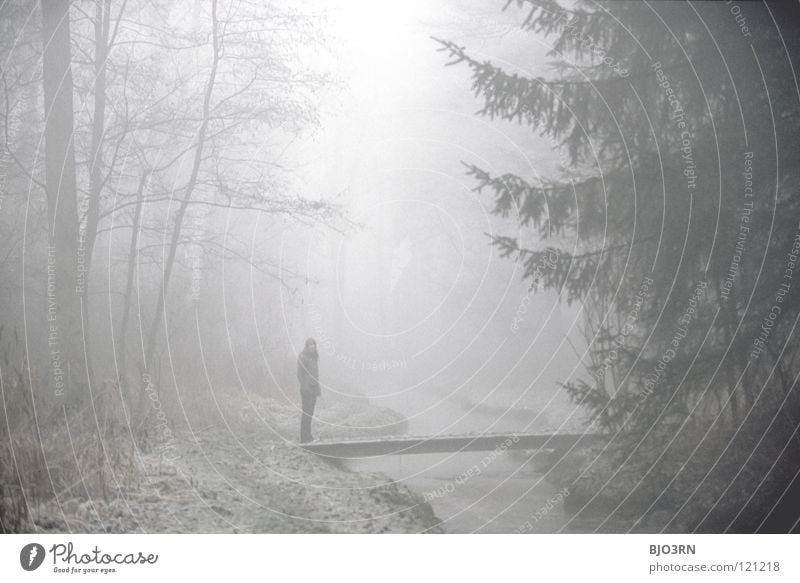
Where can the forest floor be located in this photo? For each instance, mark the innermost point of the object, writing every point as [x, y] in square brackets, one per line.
[217, 481]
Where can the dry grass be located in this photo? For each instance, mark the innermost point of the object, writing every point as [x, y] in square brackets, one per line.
[51, 452]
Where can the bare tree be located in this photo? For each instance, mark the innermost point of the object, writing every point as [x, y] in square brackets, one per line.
[64, 336]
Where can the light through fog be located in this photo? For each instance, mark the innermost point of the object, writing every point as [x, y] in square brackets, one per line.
[412, 306]
[520, 266]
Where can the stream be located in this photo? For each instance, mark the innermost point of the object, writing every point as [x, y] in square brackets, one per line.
[480, 492]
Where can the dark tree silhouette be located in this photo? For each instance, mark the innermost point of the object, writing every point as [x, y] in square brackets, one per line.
[674, 225]
[64, 331]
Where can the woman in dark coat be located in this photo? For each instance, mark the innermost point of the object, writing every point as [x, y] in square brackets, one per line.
[308, 375]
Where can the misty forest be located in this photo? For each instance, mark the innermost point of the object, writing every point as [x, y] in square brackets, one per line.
[522, 266]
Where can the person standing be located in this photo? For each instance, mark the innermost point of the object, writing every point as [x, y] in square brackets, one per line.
[308, 375]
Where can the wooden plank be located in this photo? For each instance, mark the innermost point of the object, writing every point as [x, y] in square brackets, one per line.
[447, 444]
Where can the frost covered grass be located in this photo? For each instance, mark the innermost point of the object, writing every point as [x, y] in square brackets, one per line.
[119, 463]
[49, 452]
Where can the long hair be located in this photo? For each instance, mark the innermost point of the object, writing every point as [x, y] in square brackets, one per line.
[308, 367]
[310, 348]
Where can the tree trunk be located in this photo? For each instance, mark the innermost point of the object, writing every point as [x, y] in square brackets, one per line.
[189, 190]
[730, 358]
[64, 335]
[101, 29]
[133, 253]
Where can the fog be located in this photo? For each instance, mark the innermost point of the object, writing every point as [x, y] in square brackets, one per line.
[413, 307]
[546, 245]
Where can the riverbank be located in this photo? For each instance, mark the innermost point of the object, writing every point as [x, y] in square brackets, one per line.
[217, 484]
[245, 475]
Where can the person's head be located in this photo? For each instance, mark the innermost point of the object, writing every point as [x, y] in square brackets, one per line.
[311, 346]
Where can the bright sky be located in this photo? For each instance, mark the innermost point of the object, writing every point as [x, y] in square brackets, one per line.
[393, 78]
[394, 138]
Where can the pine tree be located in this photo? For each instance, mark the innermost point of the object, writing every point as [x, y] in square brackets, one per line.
[675, 221]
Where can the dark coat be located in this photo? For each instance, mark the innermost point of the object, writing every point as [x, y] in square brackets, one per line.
[308, 373]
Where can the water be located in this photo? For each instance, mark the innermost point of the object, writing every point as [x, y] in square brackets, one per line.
[485, 492]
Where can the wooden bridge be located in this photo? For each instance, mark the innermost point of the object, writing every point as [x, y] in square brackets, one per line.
[404, 445]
